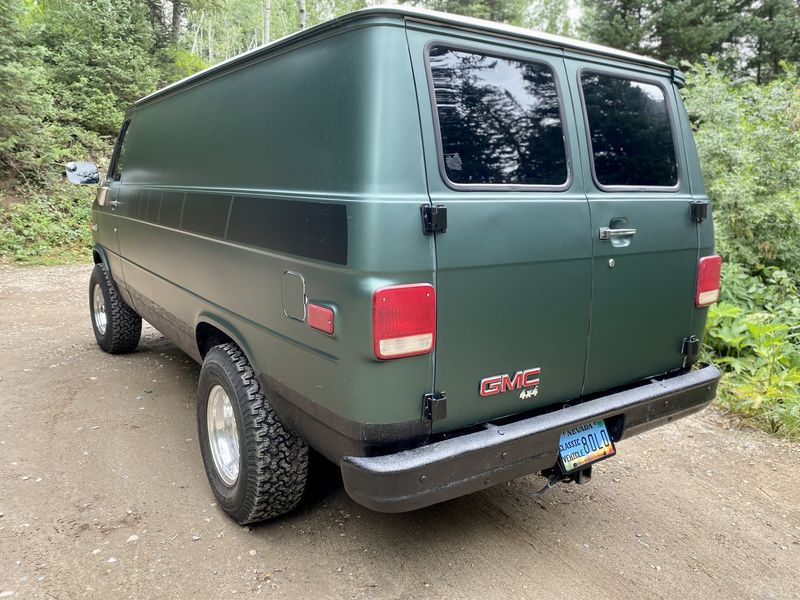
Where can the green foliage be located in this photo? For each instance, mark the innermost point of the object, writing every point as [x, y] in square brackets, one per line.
[748, 138]
[622, 24]
[99, 57]
[179, 63]
[51, 225]
[28, 140]
[772, 35]
[749, 37]
[552, 16]
[754, 334]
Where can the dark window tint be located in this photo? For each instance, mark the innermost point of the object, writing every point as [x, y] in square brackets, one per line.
[630, 131]
[499, 119]
[120, 151]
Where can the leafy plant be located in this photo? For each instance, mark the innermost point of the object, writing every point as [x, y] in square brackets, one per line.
[748, 140]
[757, 342]
[50, 226]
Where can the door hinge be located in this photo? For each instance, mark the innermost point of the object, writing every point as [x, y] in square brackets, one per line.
[699, 210]
[434, 218]
[690, 349]
[434, 406]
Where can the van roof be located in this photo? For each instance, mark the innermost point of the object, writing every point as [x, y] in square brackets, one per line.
[429, 16]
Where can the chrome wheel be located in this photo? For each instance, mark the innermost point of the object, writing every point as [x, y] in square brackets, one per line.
[99, 309]
[223, 435]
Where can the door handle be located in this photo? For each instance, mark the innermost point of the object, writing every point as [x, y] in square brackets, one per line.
[606, 233]
[114, 203]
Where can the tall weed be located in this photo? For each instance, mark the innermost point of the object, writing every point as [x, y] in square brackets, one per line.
[754, 335]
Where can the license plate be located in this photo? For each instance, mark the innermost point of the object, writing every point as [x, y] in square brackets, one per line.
[584, 445]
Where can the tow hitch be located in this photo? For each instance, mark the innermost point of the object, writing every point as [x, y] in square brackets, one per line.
[556, 475]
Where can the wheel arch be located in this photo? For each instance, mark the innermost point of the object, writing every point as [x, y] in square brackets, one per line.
[210, 330]
[99, 257]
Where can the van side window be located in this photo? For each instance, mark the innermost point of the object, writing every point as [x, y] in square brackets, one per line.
[629, 127]
[118, 158]
[499, 119]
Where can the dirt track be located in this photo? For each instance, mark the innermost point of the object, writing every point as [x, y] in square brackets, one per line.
[95, 449]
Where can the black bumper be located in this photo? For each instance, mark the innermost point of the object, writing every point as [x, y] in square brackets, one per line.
[453, 467]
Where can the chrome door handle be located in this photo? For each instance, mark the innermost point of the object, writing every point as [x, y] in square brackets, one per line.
[114, 203]
[606, 233]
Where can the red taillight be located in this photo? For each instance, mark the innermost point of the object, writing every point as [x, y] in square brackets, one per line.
[403, 320]
[320, 317]
[708, 273]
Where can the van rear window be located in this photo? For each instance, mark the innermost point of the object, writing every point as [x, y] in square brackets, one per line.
[630, 132]
[499, 119]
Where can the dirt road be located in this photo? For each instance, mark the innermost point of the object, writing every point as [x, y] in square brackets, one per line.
[103, 495]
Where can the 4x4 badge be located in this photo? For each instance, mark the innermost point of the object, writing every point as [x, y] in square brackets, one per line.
[524, 380]
[531, 393]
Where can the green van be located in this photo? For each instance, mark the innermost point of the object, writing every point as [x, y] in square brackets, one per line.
[442, 252]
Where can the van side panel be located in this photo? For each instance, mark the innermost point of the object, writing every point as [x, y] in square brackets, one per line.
[306, 161]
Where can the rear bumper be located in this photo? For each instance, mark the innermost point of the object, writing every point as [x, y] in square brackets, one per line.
[453, 467]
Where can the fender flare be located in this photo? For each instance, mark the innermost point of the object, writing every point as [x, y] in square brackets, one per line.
[225, 327]
[99, 256]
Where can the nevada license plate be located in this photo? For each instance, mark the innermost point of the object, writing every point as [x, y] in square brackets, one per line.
[584, 445]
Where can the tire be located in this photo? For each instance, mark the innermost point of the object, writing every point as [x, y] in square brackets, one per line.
[117, 327]
[269, 478]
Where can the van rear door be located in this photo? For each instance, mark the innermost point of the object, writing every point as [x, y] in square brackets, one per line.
[513, 269]
[645, 243]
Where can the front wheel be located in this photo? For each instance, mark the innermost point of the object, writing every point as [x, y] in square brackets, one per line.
[117, 327]
[256, 467]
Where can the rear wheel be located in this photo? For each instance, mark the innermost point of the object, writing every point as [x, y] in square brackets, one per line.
[256, 467]
[117, 327]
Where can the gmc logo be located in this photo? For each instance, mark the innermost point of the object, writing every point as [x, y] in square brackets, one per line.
[498, 384]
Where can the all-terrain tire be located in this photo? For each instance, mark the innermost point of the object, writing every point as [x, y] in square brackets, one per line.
[122, 327]
[273, 461]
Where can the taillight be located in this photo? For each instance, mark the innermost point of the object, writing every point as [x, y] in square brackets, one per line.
[708, 274]
[403, 320]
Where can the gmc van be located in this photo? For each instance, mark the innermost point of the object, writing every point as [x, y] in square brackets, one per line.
[442, 252]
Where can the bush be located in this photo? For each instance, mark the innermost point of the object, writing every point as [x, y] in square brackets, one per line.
[754, 335]
[748, 139]
[51, 225]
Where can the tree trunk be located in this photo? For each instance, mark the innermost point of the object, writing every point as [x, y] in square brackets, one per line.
[267, 16]
[177, 11]
[197, 32]
[210, 43]
[301, 9]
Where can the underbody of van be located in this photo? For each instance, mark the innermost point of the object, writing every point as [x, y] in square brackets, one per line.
[450, 252]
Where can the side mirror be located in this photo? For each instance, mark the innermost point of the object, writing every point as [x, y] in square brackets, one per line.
[82, 173]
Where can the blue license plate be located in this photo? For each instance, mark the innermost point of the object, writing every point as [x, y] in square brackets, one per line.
[584, 445]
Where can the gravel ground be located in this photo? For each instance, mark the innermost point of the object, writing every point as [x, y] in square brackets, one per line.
[103, 495]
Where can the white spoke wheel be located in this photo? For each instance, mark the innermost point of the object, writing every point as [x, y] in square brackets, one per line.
[117, 327]
[256, 467]
[223, 435]
[99, 309]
